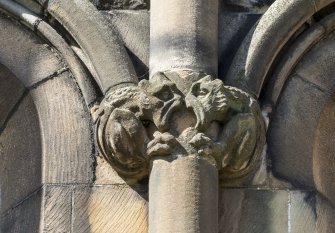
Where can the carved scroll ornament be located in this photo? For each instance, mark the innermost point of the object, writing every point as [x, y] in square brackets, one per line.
[178, 114]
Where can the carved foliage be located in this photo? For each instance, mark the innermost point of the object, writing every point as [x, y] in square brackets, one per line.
[155, 118]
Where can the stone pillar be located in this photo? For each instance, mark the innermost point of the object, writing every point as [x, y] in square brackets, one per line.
[182, 126]
[183, 193]
[183, 35]
[183, 196]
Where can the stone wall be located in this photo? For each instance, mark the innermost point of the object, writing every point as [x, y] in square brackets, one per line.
[53, 180]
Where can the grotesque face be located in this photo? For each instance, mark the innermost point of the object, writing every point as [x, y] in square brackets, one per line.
[165, 95]
[208, 99]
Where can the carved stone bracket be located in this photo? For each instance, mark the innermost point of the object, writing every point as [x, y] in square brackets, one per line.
[176, 114]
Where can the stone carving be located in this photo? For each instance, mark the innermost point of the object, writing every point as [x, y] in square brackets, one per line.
[177, 114]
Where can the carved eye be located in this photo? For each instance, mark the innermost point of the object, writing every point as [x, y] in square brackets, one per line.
[134, 109]
[146, 123]
[202, 91]
[165, 94]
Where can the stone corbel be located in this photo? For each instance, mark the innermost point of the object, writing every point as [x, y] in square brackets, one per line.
[177, 114]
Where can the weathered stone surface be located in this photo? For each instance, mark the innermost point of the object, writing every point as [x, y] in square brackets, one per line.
[325, 212]
[100, 44]
[193, 182]
[24, 53]
[318, 65]
[57, 209]
[133, 28]
[288, 62]
[183, 35]
[292, 130]
[263, 211]
[233, 27]
[24, 218]
[20, 153]
[253, 211]
[11, 91]
[302, 216]
[105, 174]
[66, 131]
[324, 153]
[256, 55]
[107, 209]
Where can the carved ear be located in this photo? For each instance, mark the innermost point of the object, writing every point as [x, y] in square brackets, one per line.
[123, 143]
[126, 135]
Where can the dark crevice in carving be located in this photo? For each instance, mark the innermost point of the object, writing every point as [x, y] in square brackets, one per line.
[122, 4]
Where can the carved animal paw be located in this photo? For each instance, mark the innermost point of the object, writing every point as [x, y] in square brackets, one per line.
[161, 145]
[203, 144]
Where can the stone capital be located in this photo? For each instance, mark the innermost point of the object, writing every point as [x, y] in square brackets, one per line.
[177, 114]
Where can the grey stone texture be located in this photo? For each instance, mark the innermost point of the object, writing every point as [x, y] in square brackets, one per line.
[264, 211]
[46, 132]
[193, 43]
[233, 27]
[24, 54]
[183, 196]
[292, 156]
[263, 44]
[21, 162]
[43, 111]
[66, 131]
[133, 29]
[299, 135]
[97, 40]
[12, 91]
[24, 217]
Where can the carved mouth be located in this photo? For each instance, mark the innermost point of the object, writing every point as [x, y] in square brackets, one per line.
[198, 109]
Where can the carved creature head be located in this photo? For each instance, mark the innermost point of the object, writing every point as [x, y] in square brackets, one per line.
[209, 101]
[133, 125]
[123, 115]
[164, 92]
[120, 132]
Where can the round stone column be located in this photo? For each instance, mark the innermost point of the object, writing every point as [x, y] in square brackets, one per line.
[183, 193]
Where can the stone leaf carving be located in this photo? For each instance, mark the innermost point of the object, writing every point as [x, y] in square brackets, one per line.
[177, 114]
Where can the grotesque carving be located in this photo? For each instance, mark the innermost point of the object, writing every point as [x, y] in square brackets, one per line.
[155, 118]
[239, 137]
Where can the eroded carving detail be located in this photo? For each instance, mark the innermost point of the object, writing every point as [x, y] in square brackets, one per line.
[173, 115]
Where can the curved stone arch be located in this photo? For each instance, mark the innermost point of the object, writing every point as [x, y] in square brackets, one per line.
[47, 118]
[58, 184]
[264, 43]
[96, 39]
[288, 62]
